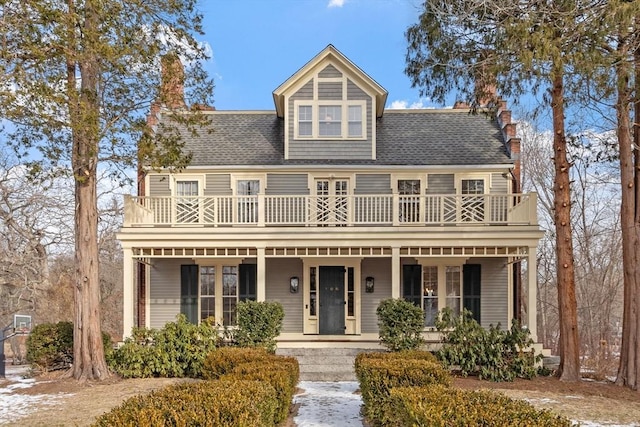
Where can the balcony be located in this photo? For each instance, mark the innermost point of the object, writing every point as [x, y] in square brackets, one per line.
[337, 211]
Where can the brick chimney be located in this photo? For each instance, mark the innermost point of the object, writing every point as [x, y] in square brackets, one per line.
[512, 141]
[172, 82]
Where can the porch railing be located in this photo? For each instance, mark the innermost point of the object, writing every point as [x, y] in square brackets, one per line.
[354, 210]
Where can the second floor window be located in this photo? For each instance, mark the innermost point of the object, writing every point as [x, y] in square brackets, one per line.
[330, 119]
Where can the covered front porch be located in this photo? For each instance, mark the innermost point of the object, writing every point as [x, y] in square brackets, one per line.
[329, 291]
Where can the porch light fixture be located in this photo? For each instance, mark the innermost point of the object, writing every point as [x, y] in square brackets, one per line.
[368, 284]
[294, 283]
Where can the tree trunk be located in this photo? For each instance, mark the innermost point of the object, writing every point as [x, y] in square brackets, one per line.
[88, 352]
[567, 306]
[629, 368]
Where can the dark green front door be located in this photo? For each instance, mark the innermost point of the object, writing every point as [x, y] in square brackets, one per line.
[332, 302]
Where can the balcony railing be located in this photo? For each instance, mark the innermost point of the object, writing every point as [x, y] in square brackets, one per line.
[355, 210]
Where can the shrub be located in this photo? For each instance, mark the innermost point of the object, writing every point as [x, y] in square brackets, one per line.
[377, 376]
[444, 406]
[177, 350]
[225, 359]
[206, 403]
[491, 353]
[50, 346]
[396, 355]
[278, 376]
[259, 323]
[400, 324]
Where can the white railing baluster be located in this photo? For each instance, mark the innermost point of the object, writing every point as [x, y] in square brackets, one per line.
[311, 210]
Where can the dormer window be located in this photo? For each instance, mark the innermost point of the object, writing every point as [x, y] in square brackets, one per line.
[330, 119]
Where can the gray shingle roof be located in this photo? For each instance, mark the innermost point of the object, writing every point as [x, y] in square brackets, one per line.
[404, 137]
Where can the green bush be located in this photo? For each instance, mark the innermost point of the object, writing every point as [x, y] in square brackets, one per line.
[491, 353]
[438, 405]
[273, 373]
[177, 350]
[220, 403]
[377, 376]
[50, 346]
[400, 324]
[404, 354]
[225, 359]
[259, 323]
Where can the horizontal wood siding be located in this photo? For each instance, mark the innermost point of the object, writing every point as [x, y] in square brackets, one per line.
[287, 184]
[356, 94]
[159, 186]
[164, 291]
[218, 185]
[334, 150]
[499, 184]
[440, 184]
[305, 93]
[493, 291]
[278, 272]
[330, 72]
[373, 184]
[380, 270]
[330, 91]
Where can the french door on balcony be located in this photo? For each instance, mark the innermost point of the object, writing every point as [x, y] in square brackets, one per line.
[247, 191]
[187, 204]
[472, 200]
[409, 198]
[332, 205]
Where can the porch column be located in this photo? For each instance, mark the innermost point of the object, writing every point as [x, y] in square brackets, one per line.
[261, 291]
[127, 292]
[532, 294]
[395, 272]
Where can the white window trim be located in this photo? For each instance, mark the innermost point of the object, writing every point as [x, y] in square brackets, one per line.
[442, 264]
[486, 177]
[344, 120]
[218, 307]
[247, 177]
[191, 177]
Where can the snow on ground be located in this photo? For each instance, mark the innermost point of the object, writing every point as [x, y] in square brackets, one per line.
[321, 404]
[328, 404]
[15, 406]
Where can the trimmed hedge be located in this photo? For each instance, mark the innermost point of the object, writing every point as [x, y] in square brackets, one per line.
[400, 324]
[269, 372]
[220, 403]
[438, 405]
[378, 375]
[259, 324]
[225, 359]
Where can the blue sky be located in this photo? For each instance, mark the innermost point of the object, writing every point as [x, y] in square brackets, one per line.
[258, 44]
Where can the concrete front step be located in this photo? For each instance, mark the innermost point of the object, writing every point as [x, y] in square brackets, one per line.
[324, 364]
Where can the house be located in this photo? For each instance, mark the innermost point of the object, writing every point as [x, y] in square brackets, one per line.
[329, 204]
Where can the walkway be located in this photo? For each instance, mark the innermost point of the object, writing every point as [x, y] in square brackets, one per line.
[328, 404]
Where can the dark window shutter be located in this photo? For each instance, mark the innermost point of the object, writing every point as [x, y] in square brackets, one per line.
[412, 283]
[471, 289]
[189, 292]
[248, 282]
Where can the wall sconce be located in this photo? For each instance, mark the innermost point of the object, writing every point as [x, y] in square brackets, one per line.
[294, 283]
[368, 284]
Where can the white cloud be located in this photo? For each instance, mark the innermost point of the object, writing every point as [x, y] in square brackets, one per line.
[336, 3]
[402, 104]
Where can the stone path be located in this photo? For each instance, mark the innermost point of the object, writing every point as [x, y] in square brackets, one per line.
[328, 404]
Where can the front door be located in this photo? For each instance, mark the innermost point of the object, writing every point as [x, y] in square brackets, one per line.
[332, 301]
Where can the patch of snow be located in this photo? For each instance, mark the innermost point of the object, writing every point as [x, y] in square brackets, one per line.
[15, 406]
[325, 404]
[544, 400]
[582, 423]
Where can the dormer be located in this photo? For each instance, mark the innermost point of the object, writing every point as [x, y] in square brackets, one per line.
[330, 107]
